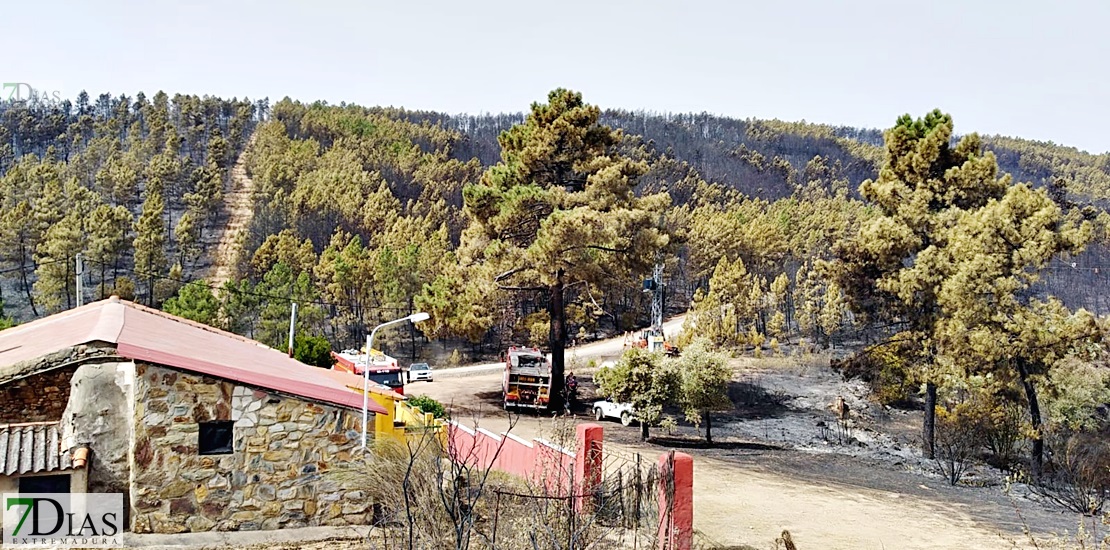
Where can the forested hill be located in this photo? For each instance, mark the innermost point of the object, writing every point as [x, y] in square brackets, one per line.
[357, 215]
[760, 158]
[768, 158]
[134, 183]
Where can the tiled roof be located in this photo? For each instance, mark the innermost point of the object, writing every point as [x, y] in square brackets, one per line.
[32, 448]
[150, 335]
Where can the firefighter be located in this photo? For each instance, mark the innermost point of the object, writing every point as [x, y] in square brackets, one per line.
[572, 389]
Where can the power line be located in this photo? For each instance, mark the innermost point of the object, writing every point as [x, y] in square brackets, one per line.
[36, 266]
[209, 286]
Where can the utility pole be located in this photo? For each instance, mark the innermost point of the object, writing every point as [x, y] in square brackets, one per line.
[657, 276]
[292, 327]
[150, 278]
[80, 271]
[653, 336]
[657, 295]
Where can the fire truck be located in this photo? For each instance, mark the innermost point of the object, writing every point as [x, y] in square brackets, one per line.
[383, 369]
[527, 380]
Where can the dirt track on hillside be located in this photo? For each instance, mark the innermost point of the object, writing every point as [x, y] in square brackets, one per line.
[238, 209]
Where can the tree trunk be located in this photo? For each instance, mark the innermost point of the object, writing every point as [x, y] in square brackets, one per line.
[26, 285]
[928, 431]
[643, 431]
[1037, 457]
[557, 338]
[708, 428]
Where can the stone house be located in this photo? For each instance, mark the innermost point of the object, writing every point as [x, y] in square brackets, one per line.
[200, 429]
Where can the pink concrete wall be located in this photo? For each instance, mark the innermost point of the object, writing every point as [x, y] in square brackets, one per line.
[564, 473]
[588, 463]
[538, 461]
[556, 466]
[676, 512]
[517, 457]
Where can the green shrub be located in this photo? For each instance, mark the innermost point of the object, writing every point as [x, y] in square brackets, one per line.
[1002, 429]
[958, 433]
[312, 350]
[5, 322]
[429, 405]
[1075, 394]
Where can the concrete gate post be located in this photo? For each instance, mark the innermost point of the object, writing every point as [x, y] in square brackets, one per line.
[587, 463]
[676, 502]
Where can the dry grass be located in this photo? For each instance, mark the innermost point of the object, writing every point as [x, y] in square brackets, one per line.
[426, 501]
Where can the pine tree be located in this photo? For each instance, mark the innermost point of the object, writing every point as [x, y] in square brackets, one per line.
[923, 186]
[780, 291]
[286, 248]
[194, 301]
[18, 241]
[108, 229]
[832, 312]
[993, 323]
[150, 231]
[239, 307]
[344, 275]
[55, 255]
[559, 210]
[279, 288]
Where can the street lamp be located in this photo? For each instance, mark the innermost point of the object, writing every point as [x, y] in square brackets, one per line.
[415, 318]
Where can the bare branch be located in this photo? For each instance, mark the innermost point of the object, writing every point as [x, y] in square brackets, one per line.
[595, 247]
[523, 288]
[508, 274]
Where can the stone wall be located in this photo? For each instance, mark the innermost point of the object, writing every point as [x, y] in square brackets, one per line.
[37, 398]
[99, 416]
[29, 392]
[282, 447]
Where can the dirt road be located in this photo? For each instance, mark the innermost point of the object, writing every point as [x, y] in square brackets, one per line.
[744, 504]
[740, 505]
[747, 493]
[598, 351]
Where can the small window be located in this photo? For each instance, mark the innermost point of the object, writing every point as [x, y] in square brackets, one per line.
[215, 438]
[44, 484]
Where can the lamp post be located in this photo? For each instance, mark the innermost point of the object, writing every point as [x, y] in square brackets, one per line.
[415, 318]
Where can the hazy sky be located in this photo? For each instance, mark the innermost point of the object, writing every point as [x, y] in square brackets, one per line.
[1032, 69]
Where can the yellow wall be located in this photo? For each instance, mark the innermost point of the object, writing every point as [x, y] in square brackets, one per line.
[383, 423]
[413, 421]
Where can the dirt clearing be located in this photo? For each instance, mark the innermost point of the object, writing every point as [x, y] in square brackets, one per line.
[782, 462]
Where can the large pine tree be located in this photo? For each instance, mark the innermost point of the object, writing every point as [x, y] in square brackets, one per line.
[992, 323]
[923, 187]
[558, 211]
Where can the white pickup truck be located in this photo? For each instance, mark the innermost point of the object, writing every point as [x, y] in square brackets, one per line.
[608, 409]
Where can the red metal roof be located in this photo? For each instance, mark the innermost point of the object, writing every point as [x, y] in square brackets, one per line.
[146, 334]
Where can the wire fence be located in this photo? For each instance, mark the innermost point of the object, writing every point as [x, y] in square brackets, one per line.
[628, 495]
